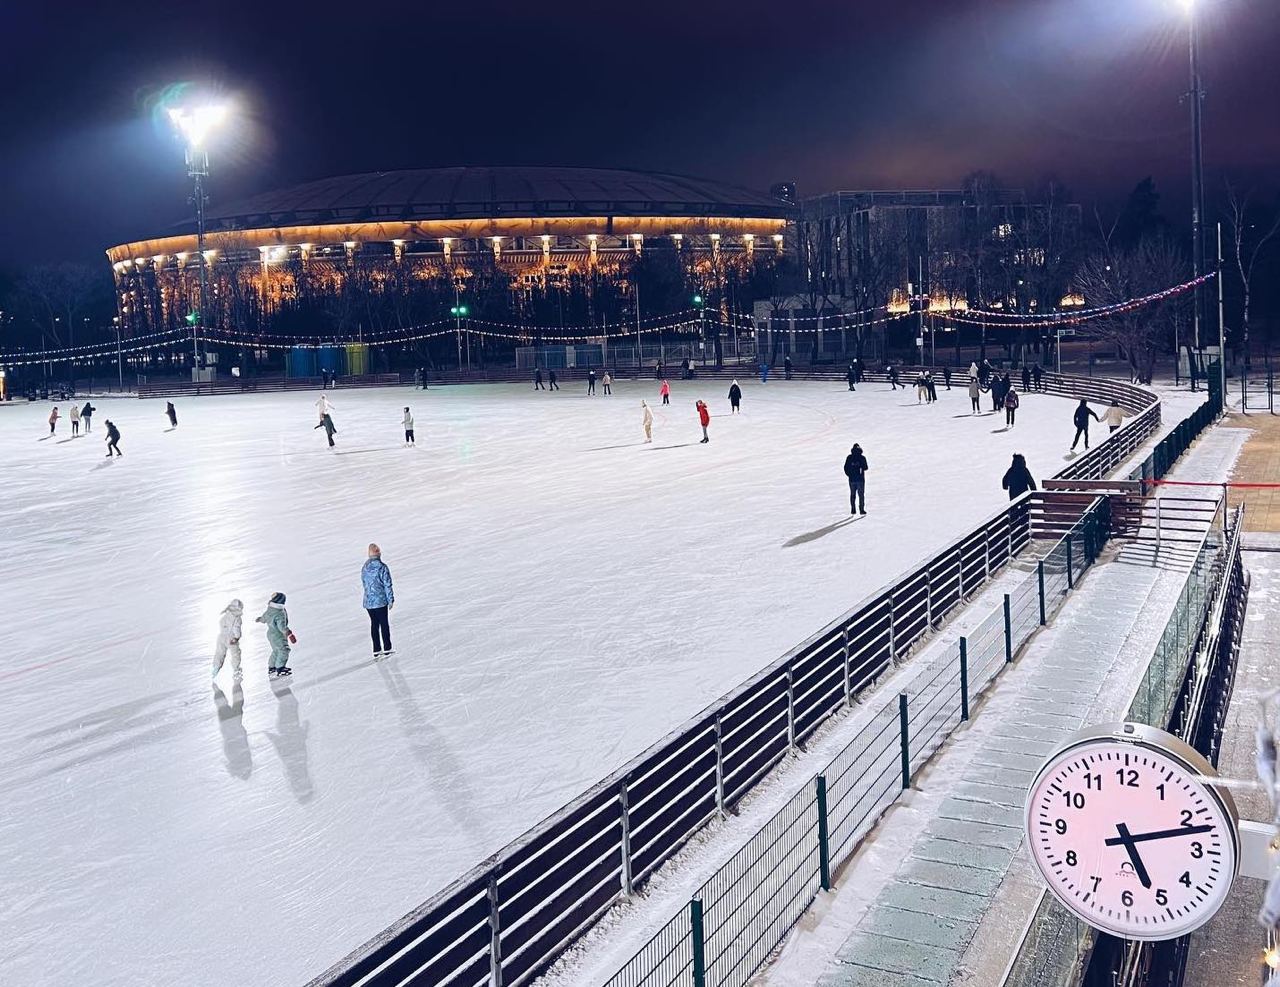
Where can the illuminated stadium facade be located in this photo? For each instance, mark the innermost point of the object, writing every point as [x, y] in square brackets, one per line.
[390, 249]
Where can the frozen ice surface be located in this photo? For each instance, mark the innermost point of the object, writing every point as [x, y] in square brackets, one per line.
[565, 597]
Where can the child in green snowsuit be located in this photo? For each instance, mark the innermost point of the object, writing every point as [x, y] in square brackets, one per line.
[276, 617]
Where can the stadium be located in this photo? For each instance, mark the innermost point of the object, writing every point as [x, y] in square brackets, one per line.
[528, 243]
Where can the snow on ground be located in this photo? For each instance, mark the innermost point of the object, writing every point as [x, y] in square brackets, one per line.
[565, 597]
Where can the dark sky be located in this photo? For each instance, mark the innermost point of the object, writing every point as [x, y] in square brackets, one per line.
[831, 95]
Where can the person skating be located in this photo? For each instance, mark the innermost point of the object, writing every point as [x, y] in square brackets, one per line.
[113, 439]
[591, 382]
[1017, 478]
[735, 397]
[53, 419]
[86, 414]
[997, 392]
[323, 407]
[379, 598]
[1010, 407]
[684, 369]
[537, 380]
[407, 422]
[855, 468]
[1113, 416]
[1037, 372]
[893, 378]
[647, 421]
[764, 372]
[279, 636]
[921, 390]
[975, 393]
[75, 420]
[665, 391]
[551, 380]
[851, 376]
[229, 639]
[946, 376]
[931, 386]
[704, 416]
[330, 429]
[786, 368]
[607, 382]
[1026, 378]
[172, 414]
[1081, 419]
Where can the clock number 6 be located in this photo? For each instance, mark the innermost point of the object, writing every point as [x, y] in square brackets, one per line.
[1126, 899]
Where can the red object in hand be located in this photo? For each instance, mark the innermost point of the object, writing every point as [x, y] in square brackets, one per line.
[293, 638]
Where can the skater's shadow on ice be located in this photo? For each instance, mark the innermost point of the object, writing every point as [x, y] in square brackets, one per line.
[625, 445]
[997, 431]
[103, 465]
[681, 445]
[235, 740]
[174, 429]
[290, 741]
[63, 442]
[809, 536]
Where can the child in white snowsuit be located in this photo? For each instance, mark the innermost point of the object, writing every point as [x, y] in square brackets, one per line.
[229, 639]
[647, 422]
[276, 617]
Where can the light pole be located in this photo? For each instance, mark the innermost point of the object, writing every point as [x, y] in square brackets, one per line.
[1196, 95]
[458, 311]
[195, 124]
[119, 355]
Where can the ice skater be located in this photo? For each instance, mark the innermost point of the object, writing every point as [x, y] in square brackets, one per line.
[647, 421]
[1017, 478]
[855, 468]
[786, 367]
[228, 645]
[1113, 416]
[931, 386]
[704, 416]
[87, 414]
[323, 407]
[1026, 378]
[607, 383]
[330, 429]
[407, 422]
[665, 391]
[852, 377]
[75, 420]
[975, 391]
[1081, 420]
[946, 376]
[1010, 408]
[893, 378]
[922, 389]
[1037, 372]
[551, 380]
[279, 636]
[113, 439]
[379, 598]
[764, 372]
[537, 380]
[591, 382]
[172, 413]
[735, 397]
[53, 419]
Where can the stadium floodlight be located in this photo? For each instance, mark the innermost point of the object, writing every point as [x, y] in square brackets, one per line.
[697, 299]
[195, 124]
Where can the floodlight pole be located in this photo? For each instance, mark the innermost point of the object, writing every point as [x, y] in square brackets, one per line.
[1196, 96]
[198, 170]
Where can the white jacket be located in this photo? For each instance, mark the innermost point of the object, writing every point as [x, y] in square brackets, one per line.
[324, 405]
[1113, 415]
[408, 422]
[648, 415]
[75, 413]
[229, 623]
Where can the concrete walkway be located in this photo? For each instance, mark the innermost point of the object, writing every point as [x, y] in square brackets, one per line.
[941, 894]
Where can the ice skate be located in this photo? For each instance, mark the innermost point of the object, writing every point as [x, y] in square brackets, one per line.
[284, 671]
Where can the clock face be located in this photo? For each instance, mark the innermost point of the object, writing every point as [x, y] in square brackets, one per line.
[1128, 836]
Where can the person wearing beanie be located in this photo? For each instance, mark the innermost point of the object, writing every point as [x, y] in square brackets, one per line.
[279, 636]
[855, 468]
[229, 639]
[1017, 478]
[379, 598]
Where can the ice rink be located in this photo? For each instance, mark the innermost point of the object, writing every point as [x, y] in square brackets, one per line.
[565, 596]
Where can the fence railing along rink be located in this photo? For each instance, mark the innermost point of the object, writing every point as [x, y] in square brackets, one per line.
[507, 920]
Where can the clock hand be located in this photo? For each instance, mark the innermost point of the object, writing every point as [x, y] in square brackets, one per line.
[1161, 834]
[1132, 850]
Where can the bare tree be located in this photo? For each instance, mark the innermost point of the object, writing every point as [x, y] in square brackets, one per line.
[57, 295]
[1248, 240]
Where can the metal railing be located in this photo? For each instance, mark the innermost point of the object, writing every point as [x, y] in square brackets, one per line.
[508, 919]
[743, 911]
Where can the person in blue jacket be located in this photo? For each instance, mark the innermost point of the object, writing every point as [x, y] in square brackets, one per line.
[379, 598]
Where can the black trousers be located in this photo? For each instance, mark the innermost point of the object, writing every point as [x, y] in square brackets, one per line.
[111, 446]
[1083, 430]
[666, 399]
[1008, 415]
[379, 629]
[408, 435]
[857, 495]
[976, 404]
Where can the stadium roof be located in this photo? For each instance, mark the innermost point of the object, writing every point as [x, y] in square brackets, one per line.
[491, 193]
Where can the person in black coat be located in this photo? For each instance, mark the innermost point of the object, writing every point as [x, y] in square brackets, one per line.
[1026, 379]
[851, 377]
[551, 380]
[1038, 373]
[1017, 478]
[735, 397]
[537, 380]
[946, 376]
[172, 412]
[855, 468]
[786, 367]
[113, 438]
[1081, 420]
[893, 378]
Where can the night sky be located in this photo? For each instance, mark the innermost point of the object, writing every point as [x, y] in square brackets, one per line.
[902, 94]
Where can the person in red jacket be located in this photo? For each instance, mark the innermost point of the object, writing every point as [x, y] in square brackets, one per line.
[704, 416]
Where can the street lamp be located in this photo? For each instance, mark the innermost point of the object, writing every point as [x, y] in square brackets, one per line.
[459, 312]
[195, 124]
[1196, 95]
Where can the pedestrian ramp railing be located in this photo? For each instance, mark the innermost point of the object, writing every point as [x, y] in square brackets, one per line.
[736, 919]
[508, 919]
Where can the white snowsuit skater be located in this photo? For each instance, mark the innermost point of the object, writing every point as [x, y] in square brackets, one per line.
[324, 406]
[648, 422]
[229, 638]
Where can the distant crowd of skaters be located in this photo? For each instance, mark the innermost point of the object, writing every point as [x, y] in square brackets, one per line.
[84, 415]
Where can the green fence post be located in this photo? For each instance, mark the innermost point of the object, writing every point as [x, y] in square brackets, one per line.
[906, 742]
[964, 678]
[1071, 579]
[824, 849]
[1040, 579]
[699, 945]
[1008, 631]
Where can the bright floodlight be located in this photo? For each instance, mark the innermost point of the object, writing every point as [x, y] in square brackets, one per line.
[196, 122]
